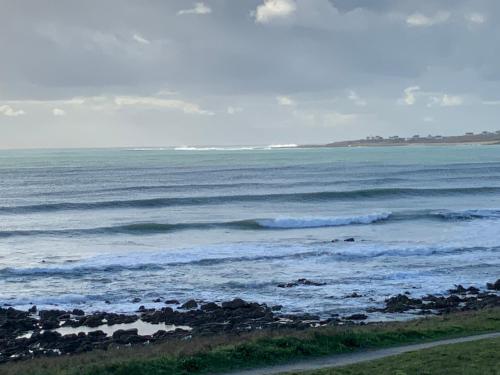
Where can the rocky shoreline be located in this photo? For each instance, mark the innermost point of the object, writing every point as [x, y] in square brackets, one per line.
[34, 333]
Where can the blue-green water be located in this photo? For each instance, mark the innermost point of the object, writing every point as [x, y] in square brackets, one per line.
[82, 227]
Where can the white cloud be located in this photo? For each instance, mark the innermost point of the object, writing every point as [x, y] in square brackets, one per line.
[356, 99]
[272, 9]
[199, 8]
[140, 39]
[409, 95]
[7, 110]
[233, 110]
[58, 112]
[421, 20]
[445, 100]
[285, 100]
[149, 101]
[476, 18]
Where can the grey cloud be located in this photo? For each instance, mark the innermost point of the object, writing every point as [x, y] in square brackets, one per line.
[224, 59]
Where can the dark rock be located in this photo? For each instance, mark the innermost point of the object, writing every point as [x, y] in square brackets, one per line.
[350, 239]
[472, 290]
[309, 282]
[236, 303]
[356, 317]
[50, 324]
[494, 286]
[276, 308]
[353, 295]
[93, 321]
[50, 314]
[401, 303]
[172, 302]
[191, 304]
[32, 309]
[459, 289]
[136, 300]
[78, 312]
[156, 300]
[300, 282]
[211, 306]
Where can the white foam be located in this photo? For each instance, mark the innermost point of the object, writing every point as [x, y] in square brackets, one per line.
[316, 222]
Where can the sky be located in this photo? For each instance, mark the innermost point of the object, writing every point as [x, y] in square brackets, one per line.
[152, 73]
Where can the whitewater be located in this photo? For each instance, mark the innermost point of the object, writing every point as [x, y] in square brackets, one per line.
[95, 229]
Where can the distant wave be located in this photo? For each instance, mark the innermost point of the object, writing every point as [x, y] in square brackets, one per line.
[253, 224]
[235, 148]
[278, 223]
[289, 145]
[137, 262]
[469, 214]
[382, 193]
[315, 222]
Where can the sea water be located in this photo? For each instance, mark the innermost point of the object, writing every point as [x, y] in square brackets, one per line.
[95, 229]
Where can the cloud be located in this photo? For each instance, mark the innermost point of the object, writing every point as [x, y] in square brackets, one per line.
[233, 110]
[285, 100]
[58, 112]
[409, 97]
[7, 110]
[138, 38]
[491, 102]
[149, 101]
[421, 20]
[445, 100]
[199, 8]
[356, 99]
[272, 9]
[476, 18]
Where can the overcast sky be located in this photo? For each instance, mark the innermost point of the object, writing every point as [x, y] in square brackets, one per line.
[250, 72]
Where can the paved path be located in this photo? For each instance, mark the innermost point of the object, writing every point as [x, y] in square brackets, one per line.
[339, 360]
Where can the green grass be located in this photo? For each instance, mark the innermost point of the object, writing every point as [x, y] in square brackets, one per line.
[223, 353]
[471, 358]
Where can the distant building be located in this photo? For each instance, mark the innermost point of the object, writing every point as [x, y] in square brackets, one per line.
[416, 136]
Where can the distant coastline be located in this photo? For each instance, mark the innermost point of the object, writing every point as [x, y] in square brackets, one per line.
[484, 138]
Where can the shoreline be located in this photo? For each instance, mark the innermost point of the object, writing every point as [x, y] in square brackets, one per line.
[354, 144]
[33, 333]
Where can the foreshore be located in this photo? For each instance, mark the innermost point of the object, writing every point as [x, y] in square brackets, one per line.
[47, 333]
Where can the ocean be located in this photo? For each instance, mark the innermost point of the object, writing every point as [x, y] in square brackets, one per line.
[96, 228]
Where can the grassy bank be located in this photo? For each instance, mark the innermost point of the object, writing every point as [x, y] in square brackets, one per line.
[223, 353]
[472, 358]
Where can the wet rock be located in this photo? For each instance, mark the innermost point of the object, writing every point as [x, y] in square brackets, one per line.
[300, 282]
[356, 317]
[50, 324]
[472, 290]
[276, 308]
[93, 321]
[211, 306]
[459, 289]
[189, 305]
[494, 286]
[136, 300]
[172, 302]
[350, 239]
[353, 295]
[236, 303]
[32, 309]
[401, 303]
[156, 300]
[78, 312]
[51, 314]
